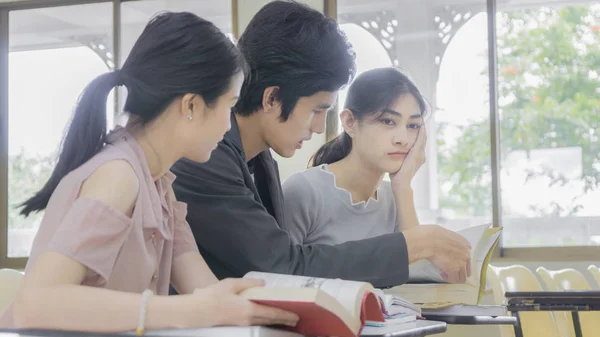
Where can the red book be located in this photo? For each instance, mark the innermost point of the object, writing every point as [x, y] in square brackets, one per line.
[327, 307]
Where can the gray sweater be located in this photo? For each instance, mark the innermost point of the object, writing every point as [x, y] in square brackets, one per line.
[319, 212]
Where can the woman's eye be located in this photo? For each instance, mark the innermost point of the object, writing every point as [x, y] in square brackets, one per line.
[414, 126]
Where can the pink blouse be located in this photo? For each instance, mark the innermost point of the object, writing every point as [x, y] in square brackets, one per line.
[120, 253]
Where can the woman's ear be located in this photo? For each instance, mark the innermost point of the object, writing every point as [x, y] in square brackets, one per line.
[192, 106]
[349, 123]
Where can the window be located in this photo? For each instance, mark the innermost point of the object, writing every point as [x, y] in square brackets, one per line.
[549, 95]
[416, 37]
[53, 54]
[136, 14]
[370, 53]
[548, 90]
[462, 118]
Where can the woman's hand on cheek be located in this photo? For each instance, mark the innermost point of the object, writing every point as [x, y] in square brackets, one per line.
[412, 163]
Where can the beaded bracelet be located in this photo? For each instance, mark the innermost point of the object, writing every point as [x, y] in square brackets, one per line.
[142, 319]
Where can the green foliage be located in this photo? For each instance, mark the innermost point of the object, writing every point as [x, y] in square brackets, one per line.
[549, 97]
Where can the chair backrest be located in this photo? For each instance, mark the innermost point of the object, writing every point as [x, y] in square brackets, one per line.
[10, 282]
[595, 271]
[519, 278]
[570, 279]
[564, 279]
[493, 281]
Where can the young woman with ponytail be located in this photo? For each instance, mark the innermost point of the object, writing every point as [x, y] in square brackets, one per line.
[112, 233]
[343, 197]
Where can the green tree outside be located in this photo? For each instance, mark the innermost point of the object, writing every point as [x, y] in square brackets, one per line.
[549, 97]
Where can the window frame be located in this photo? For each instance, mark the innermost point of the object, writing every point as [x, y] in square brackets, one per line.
[547, 253]
[5, 9]
[573, 253]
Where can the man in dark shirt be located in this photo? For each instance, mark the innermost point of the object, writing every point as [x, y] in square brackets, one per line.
[298, 61]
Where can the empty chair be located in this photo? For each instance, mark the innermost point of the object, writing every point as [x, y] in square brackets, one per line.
[570, 279]
[493, 282]
[519, 278]
[10, 281]
[595, 271]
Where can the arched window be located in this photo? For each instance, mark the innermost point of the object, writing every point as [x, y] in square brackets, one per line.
[462, 109]
[370, 54]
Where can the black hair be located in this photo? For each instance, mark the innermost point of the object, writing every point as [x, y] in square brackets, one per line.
[369, 94]
[296, 48]
[176, 54]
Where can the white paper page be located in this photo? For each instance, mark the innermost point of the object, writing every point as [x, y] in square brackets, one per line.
[484, 248]
[345, 292]
[388, 329]
[395, 304]
[425, 271]
[473, 235]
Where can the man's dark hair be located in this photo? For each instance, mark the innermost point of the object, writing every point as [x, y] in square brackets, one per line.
[296, 48]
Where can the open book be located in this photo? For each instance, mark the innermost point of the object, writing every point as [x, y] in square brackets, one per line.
[426, 286]
[327, 307]
[394, 306]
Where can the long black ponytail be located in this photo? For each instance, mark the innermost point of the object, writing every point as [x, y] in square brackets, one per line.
[369, 93]
[176, 54]
[84, 138]
[334, 150]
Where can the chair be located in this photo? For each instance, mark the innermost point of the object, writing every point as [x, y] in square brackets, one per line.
[570, 279]
[595, 271]
[519, 278]
[10, 281]
[494, 283]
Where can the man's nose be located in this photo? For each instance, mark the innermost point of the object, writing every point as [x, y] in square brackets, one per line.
[318, 123]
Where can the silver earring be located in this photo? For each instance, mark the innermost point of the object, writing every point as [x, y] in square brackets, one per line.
[190, 117]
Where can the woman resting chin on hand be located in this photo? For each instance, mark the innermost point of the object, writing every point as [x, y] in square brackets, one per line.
[343, 197]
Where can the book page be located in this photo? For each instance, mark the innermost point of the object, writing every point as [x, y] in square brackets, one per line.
[474, 235]
[425, 271]
[345, 292]
[482, 251]
[490, 240]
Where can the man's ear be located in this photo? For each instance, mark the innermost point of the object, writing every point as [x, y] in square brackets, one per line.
[269, 100]
[349, 123]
